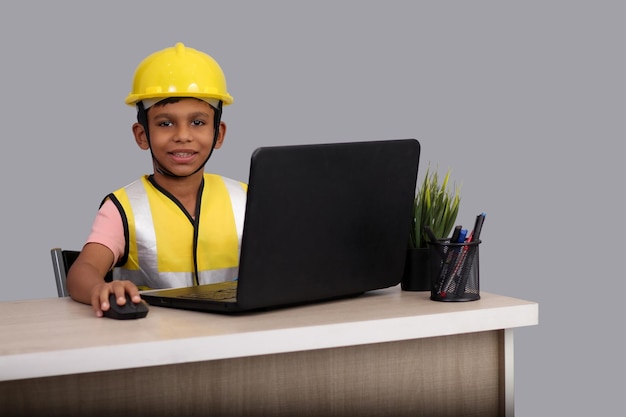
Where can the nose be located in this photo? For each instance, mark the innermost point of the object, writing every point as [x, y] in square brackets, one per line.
[183, 134]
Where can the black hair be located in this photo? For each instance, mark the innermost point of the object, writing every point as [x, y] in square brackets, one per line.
[142, 113]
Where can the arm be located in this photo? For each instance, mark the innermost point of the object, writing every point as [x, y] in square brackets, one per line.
[105, 245]
[85, 279]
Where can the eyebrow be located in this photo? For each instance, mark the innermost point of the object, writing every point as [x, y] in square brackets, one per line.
[166, 115]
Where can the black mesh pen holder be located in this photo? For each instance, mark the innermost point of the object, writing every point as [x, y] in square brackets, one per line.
[454, 271]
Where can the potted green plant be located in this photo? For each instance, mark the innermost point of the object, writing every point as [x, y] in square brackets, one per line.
[436, 205]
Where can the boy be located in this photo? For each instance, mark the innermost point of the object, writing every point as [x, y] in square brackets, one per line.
[179, 226]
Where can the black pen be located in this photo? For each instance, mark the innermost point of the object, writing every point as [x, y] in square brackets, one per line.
[445, 277]
[455, 234]
[478, 227]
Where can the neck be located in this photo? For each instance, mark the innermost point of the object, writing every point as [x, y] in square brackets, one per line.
[183, 188]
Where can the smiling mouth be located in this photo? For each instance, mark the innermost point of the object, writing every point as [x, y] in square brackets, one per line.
[182, 154]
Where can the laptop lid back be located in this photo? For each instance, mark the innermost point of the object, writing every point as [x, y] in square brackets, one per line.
[326, 220]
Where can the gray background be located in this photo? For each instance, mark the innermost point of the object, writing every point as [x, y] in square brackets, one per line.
[523, 100]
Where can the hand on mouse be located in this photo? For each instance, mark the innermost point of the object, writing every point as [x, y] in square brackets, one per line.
[100, 295]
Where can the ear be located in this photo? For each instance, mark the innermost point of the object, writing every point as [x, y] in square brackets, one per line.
[220, 135]
[140, 136]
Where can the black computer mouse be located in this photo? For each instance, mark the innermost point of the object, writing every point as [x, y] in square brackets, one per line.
[129, 310]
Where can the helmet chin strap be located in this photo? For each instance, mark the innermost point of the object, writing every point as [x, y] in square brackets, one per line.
[142, 115]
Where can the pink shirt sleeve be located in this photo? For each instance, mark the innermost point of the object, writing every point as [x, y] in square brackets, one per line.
[108, 230]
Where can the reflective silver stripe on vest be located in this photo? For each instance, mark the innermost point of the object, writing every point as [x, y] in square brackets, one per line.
[238, 201]
[163, 280]
[217, 275]
[145, 235]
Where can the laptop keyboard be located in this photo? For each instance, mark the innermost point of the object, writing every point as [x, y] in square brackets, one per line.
[223, 291]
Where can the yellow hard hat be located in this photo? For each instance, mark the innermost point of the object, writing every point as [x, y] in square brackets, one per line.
[178, 71]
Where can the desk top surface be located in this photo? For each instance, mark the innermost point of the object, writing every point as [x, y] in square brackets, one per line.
[59, 336]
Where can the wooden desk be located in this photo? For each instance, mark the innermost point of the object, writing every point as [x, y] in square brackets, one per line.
[388, 352]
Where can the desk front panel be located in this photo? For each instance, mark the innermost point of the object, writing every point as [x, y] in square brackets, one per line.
[457, 375]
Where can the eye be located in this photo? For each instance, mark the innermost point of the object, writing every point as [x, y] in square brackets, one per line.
[165, 123]
[198, 122]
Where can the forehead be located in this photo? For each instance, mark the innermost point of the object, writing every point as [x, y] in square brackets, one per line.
[182, 105]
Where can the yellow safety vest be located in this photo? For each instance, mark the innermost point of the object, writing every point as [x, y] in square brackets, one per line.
[167, 248]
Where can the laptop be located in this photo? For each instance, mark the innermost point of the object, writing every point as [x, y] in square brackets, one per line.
[322, 222]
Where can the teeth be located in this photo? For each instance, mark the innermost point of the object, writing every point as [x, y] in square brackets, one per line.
[182, 154]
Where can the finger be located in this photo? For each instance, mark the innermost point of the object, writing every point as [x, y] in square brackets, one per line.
[97, 305]
[120, 294]
[103, 297]
[133, 292]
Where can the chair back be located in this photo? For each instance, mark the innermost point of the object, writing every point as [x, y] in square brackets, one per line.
[61, 261]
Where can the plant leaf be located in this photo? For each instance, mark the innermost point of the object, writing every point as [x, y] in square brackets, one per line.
[436, 206]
